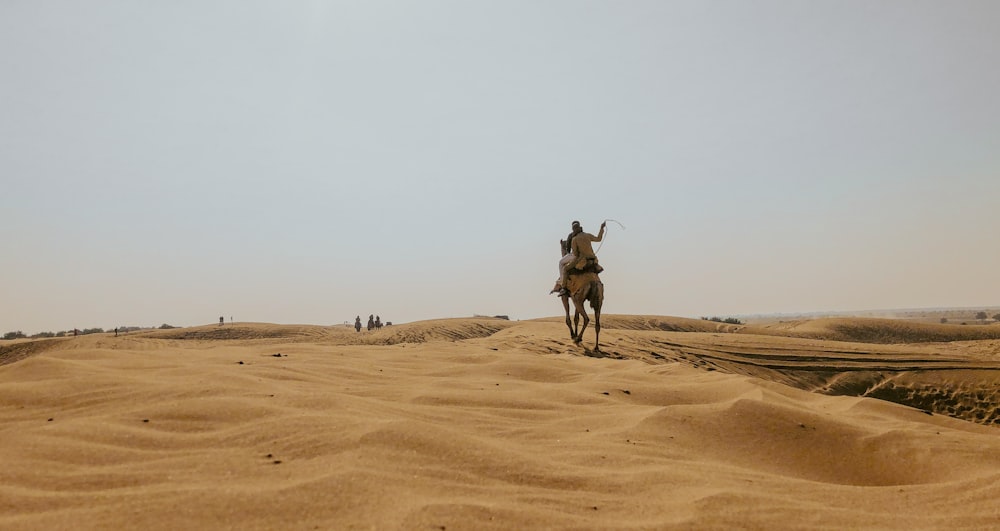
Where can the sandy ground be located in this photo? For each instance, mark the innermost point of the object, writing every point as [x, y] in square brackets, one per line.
[490, 424]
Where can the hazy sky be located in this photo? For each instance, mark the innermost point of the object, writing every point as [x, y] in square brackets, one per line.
[307, 162]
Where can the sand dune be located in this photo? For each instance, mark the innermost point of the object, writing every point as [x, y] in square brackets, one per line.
[491, 424]
[440, 329]
[871, 330]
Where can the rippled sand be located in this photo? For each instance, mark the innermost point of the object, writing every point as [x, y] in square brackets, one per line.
[483, 423]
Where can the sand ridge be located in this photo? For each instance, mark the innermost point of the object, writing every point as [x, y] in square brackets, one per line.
[473, 424]
[877, 330]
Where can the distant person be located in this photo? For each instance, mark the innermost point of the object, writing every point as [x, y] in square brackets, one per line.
[357, 324]
[222, 320]
[378, 323]
[116, 332]
[371, 323]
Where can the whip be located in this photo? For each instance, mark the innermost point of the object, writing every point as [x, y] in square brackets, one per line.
[606, 235]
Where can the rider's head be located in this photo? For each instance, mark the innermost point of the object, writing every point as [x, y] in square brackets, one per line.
[577, 227]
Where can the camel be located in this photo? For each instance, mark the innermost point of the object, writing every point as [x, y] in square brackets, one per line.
[584, 286]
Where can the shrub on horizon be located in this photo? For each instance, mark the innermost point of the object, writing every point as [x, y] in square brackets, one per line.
[165, 326]
[14, 335]
[727, 320]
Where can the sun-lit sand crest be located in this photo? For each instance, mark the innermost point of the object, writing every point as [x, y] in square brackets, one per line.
[485, 423]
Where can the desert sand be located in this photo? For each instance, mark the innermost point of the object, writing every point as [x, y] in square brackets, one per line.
[492, 424]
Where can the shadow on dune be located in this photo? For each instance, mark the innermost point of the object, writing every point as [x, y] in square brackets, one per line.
[438, 330]
[232, 333]
[457, 329]
[881, 331]
[878, 358]
[19, 351]
[965, 387]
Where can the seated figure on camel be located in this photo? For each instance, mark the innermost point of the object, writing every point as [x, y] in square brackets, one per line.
[578, 256]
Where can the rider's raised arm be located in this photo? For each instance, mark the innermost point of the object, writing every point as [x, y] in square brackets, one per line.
[600, 234]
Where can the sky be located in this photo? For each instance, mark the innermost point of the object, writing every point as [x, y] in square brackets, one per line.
[306, 162]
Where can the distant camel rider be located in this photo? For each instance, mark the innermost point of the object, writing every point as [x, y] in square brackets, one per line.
[582, 251]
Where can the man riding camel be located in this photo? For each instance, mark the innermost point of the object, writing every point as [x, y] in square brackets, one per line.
[577, 252]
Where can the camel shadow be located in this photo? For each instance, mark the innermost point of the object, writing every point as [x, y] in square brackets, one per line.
[598, 353]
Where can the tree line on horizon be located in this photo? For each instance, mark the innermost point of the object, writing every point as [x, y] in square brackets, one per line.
[982, 316]
[86, 331]
[727, 320]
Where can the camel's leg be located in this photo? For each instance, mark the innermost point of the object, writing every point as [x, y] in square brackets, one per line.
[596, 301]
[580, 310]
[569, 324]
[597, 329]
